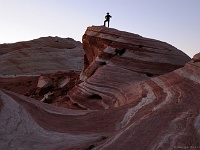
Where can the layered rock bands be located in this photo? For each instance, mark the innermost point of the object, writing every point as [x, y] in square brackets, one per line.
[116, 61]
[138, 94]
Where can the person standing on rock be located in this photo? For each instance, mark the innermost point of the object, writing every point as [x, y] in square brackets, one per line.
[107, 17]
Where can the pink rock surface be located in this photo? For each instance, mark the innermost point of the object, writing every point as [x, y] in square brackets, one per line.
[53, 42]
[40, 56]
[115, 61]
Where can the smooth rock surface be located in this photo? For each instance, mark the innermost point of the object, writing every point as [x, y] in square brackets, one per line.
[39, 56]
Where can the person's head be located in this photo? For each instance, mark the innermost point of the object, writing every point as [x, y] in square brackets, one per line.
[108, 13]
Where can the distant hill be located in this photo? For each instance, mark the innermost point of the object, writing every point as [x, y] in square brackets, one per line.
[43, 55]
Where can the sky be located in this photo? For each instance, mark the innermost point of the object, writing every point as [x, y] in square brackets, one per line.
[176, 22]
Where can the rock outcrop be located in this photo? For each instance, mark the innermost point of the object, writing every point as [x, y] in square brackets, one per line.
[115, 61]
[39, 56]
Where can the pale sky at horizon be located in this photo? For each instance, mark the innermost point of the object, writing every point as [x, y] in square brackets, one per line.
[176, 22]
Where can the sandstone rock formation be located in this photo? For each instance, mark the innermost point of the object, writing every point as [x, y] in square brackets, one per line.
[39, 56]
[115, 61]
[149, 96]
[162, 113]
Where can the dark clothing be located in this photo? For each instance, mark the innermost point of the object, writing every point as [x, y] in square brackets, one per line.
[107, 17]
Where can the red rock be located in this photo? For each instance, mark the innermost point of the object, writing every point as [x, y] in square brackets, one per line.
[21, 84]
[115, 61]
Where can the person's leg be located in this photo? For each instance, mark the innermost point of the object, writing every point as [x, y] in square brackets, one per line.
[104, 23]
[108, 23]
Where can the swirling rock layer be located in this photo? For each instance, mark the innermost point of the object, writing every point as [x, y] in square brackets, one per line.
[162, 113]
[139, 112]
[115, 61]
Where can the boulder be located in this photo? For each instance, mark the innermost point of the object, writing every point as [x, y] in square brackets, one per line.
[44, 82]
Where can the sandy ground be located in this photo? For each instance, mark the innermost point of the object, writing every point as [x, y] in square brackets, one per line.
[20, 84]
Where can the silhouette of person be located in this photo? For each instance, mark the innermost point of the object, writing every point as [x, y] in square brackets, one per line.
[107, 17]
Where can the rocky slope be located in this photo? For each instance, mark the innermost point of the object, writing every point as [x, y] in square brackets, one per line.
[149, 112]
[39, 56]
